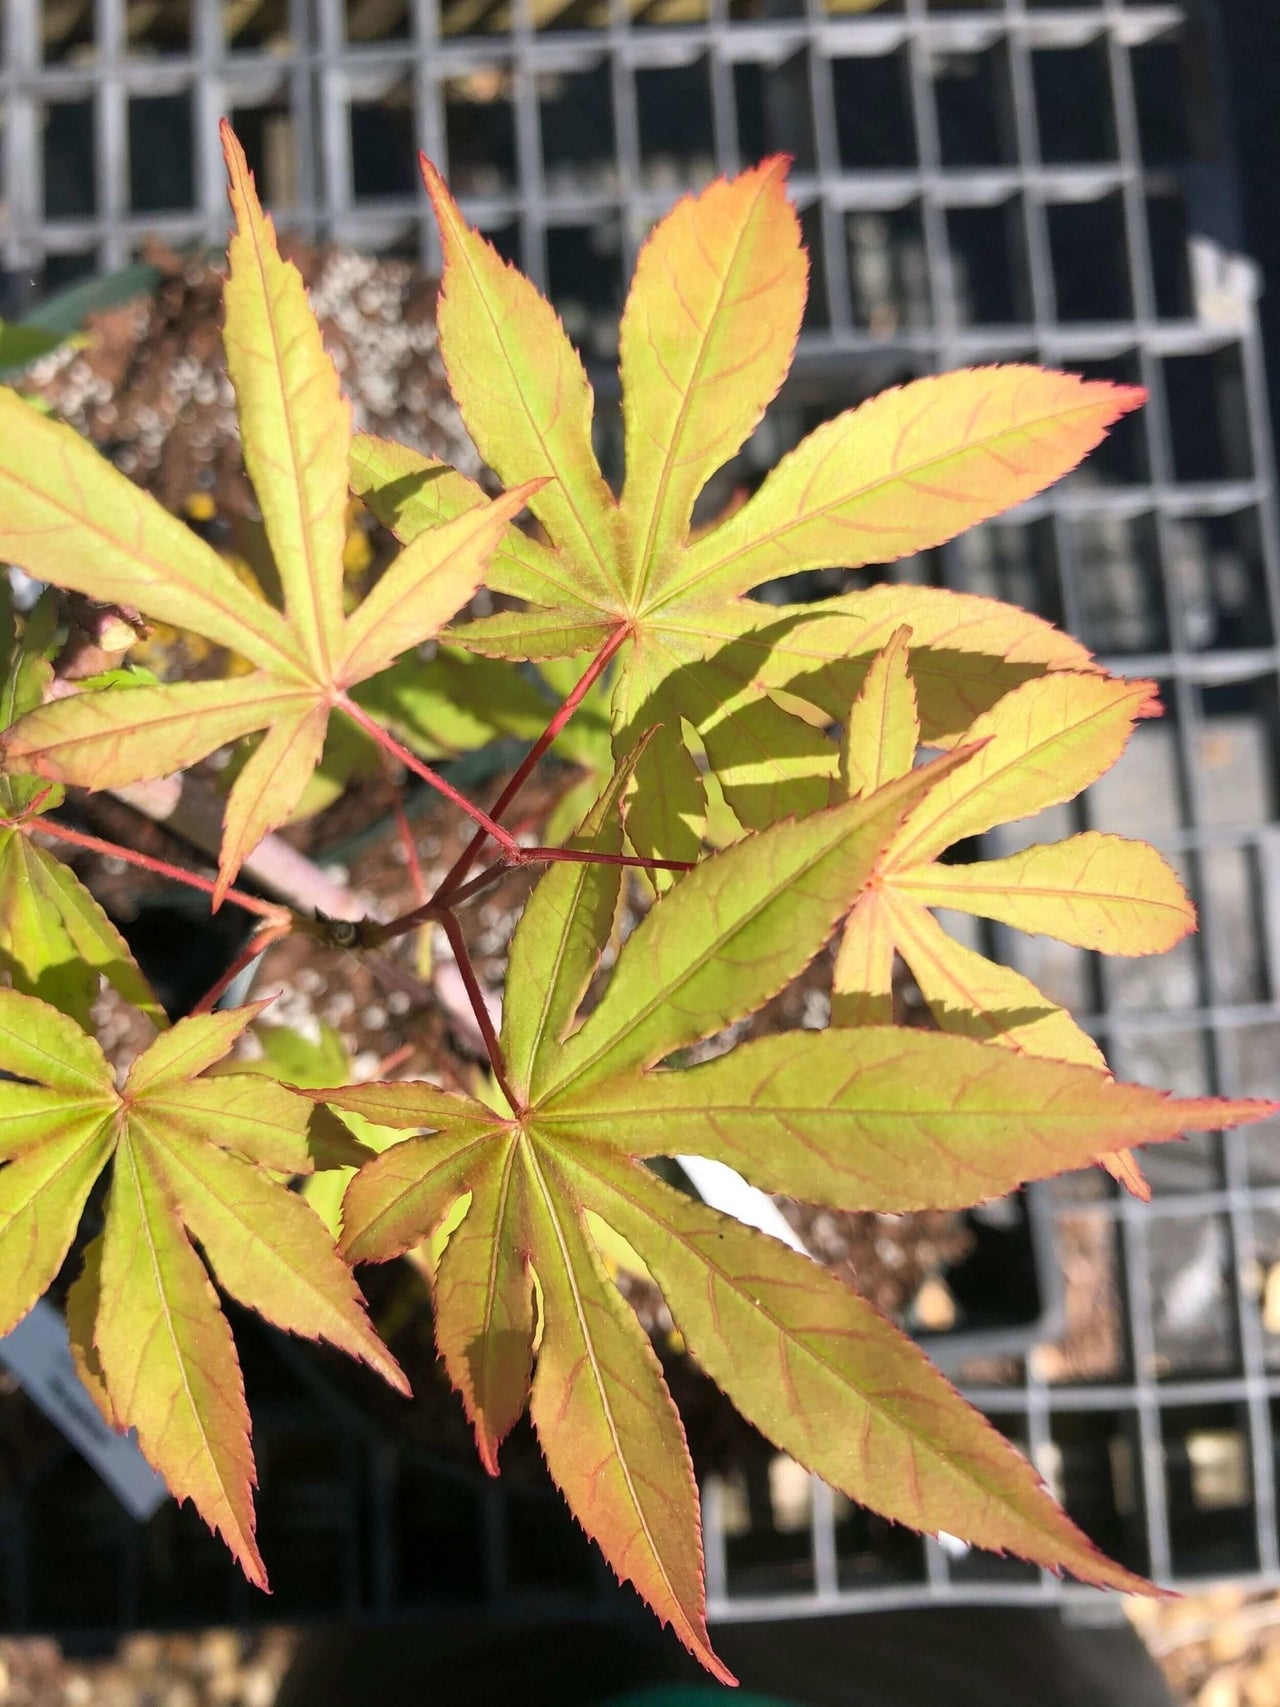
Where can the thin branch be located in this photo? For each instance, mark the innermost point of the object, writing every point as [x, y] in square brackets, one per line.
[256, 945]
[595, 669]
[271, 910]
[411, 762]
[373, 934]
[584, 856]
[475, 995]
[410, 847]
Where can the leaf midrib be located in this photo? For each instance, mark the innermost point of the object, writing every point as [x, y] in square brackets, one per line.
[564, 487]
[643, 564]
[126, 1152]
[534, 1170]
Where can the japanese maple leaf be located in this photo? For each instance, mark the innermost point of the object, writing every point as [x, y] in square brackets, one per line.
[192, 1156]
[706, 340]
[1043, 744]
[67, 517]
[55, 939]
[876, 1118]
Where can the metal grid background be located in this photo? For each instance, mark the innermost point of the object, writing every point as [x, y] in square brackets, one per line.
[1008, 180]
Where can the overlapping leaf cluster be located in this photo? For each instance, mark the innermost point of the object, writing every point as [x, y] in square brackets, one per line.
[832, 754]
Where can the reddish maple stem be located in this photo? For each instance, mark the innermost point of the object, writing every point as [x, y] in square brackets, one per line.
[389, 744]
[595, 669]
[95, 844]
[479, 883]
[410, 848]
[493, 1049]
[247, 955]
[389, 1063]
[579, 856]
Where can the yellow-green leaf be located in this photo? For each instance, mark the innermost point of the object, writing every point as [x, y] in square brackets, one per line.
[794, 1348]
[882, 730]
[607, 1426]
[884, 1118]
[68, 517]
[295, 424]
[266, 1246]
[907, 470]
[971, 995]
[523, 393]
[114, 736]
[735, 930]
[572, 909]
[484, 1302]
[410, 493]
[42, 1196]
[169, 1360]
[1093, 891]
[707, 337]
[428, 583]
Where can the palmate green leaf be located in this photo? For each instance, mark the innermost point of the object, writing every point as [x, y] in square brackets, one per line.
[1045, 741]
[55, 940]
[191, 1157]
[873, 1119]
[67, 517]
[707, 336]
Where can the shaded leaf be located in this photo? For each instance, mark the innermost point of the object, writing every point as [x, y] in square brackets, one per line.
[484, 1302]
[573, 908]
[735, 930]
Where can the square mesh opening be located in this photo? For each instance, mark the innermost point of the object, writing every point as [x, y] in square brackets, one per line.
[1093, 1467]
[575, 117]
[480, 133]
[1119, 587]
[974, 96]
[673, 111]
[1168, 239]
[162, 167]
[1090, 263]
[1073, 104]
[584, 274]
[68, 147]
[1191, 1262]
[1207, 416]
[269, 136]
[1160, 91]
[989, 275]
[875, 128]
[67, 33]
[1209, 1489]
[376, 20]
[889, 270]
[249, 29]
[383, 147]
[775, 110]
